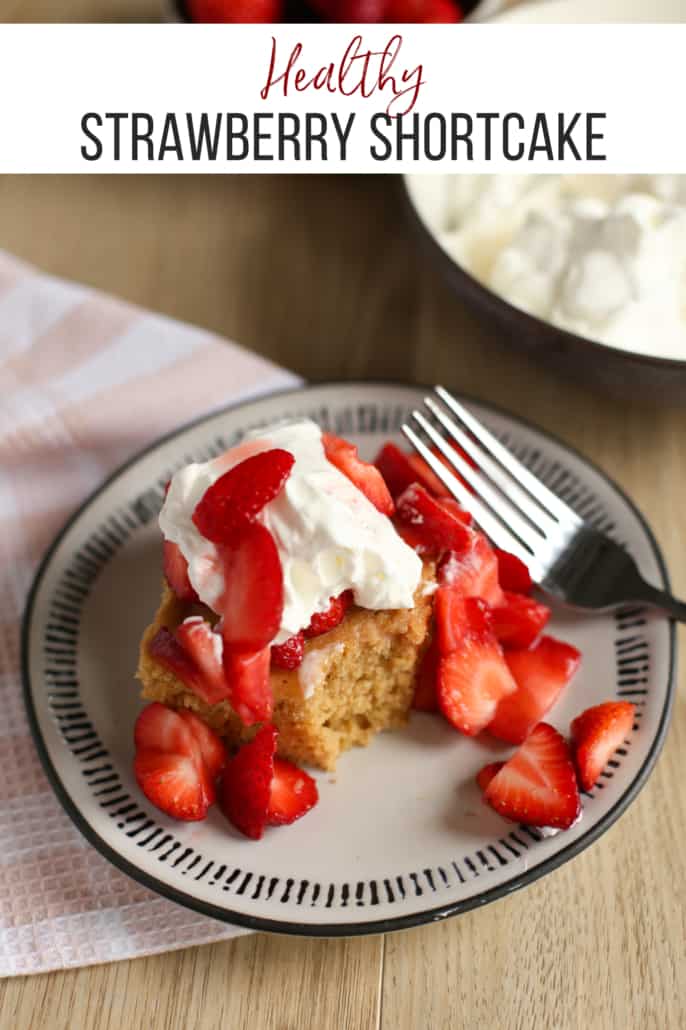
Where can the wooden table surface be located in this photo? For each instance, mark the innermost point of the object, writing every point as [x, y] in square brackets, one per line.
[321, 275]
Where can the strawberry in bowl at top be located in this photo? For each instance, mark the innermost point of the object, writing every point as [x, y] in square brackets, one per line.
[338, 11]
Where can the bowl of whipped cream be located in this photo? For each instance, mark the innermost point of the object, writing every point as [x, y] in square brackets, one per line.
[588, 272]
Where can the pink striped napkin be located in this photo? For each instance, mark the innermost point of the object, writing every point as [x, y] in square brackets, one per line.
[85, 381]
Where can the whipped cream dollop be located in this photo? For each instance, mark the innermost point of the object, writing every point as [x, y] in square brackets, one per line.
[600, 256]
[330, 538]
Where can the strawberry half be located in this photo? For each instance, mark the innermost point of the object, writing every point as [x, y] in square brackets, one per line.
[485, 775]
[537, 785]
[322, 622]
[519, 621]
[205, 648]
[174, 783]
[176, 572]
[292, 794]
[248, 676]
[238, 496]
[176, 761]
[253, 603]
[425, 699]
[596, 734]
[246, 783]
[432, 522]
[425, 11]
[364, 476]
[540, 674]
[513, 573]
[473, 677]
[290, 654]
[396, 468]
[473, 570]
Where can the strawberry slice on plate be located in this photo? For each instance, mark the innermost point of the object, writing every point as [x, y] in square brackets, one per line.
[485, 775]
[176, 761]
[364, 476]
[322, 622]
[174, 783]
[537, 785]
[292, 794]
[596, 735]
[246, 783]
[540, 674]
[252, 605]
[513, 573]
[519, 621]
[238, 496]
[290, 654]
[432, 523]
[176, 572]
[473, 570]
[473, 678]
[397, 470]
[425, 699]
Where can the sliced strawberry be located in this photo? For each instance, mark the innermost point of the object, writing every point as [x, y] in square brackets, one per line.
[540, 674]
[322, 622]
[160, 728]
[248, 676]
[513, 573]
[365, 477]
[209, 744]
[290, 654]
[176, 572]
[396, 468]
[238, 496]
[175, 783]
[596, 734]
[292, 794]
[473, 678]
[204, 646]
[425, 699]
[485, 775]
[246, 784]
[253, 603]
[455, 509]
[519, 621]
[473, 571]
[538, 784]
[431, 521]
[166, 650]
[426, 477]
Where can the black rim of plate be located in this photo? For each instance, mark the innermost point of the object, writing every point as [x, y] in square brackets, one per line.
[352, 929]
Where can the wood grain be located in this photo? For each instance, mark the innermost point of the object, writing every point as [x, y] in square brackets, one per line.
[322, 274]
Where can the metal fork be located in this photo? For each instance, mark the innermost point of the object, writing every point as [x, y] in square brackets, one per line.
[566, 557]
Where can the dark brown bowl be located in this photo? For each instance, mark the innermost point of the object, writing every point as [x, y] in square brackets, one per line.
[635, 377]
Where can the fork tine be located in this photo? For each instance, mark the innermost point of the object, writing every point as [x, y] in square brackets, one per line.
[536, 488]
[534, 512]
[494, 529]
[499, 504]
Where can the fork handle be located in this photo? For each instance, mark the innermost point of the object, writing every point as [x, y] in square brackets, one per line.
[648, 594]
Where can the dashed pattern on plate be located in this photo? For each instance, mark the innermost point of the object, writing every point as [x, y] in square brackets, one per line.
[60, 649]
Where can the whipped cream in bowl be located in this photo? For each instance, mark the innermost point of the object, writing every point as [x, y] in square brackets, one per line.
[329, 536]
[588, 271]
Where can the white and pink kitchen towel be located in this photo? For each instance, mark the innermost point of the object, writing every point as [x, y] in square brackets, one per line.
[86, 381]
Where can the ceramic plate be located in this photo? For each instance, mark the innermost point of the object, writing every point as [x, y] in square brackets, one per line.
[400, 836]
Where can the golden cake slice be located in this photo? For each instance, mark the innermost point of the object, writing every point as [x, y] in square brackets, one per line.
[354, 681]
